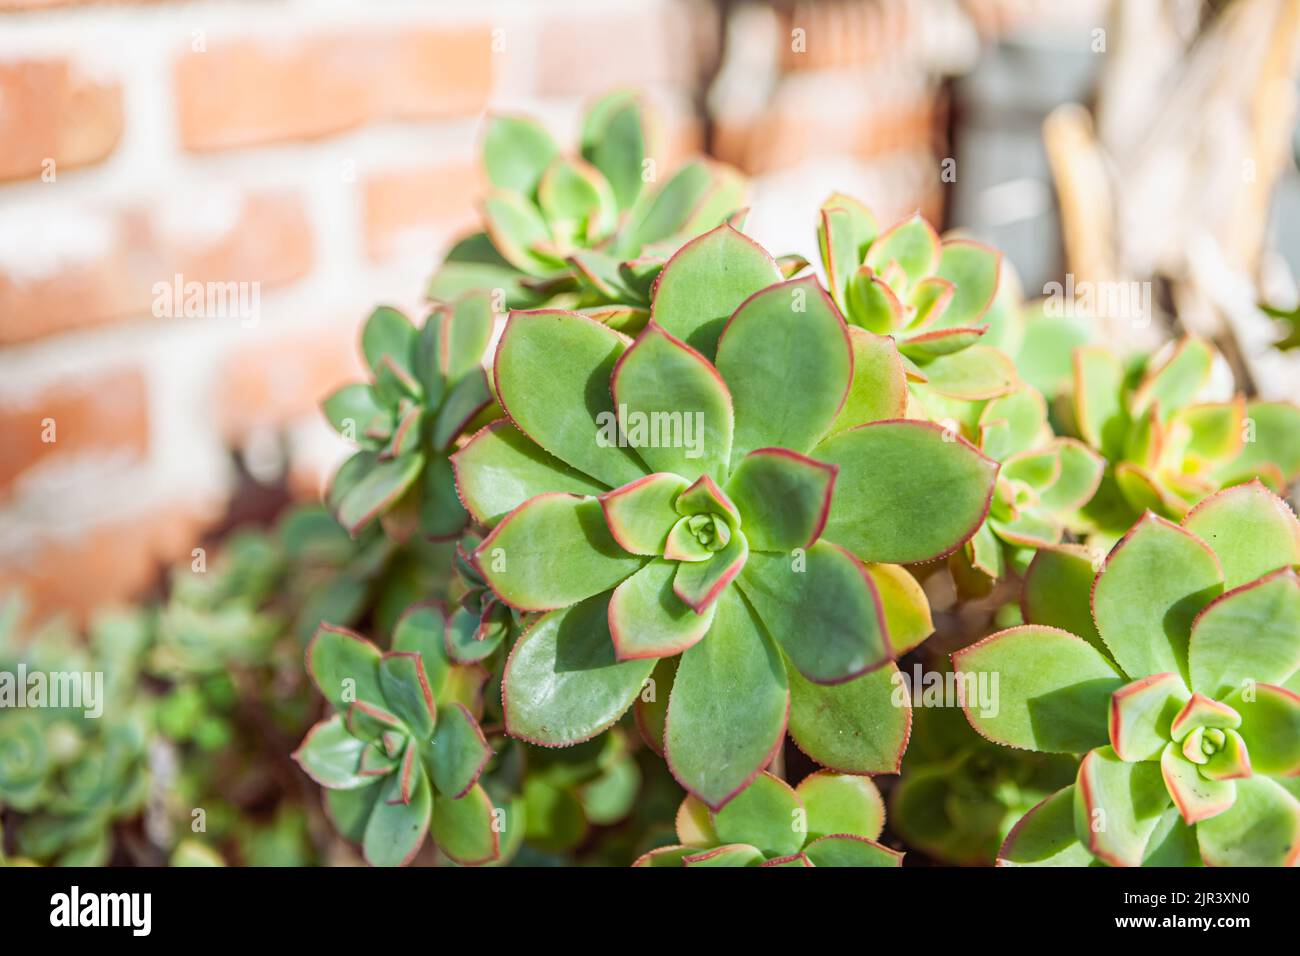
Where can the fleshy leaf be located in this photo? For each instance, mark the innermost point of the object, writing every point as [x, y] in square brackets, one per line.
[1178, 380]
[407, 691]
[973, 374]
[700, 583]
[823, 609]
[705, 282]
[784, 497]
[1273, 441]
[907, 610]
[518, 231]
[1141, 714]
[331, 756]
[1252, 530]
[641, 514]
[879, 387]
[905, 492]
[467, 398]
[1045, 836]
[387, 333]
[1098, 403]
[1058, 592]
[1077, 480]
[1262, 828]
[766, 814]
[516, 151]
[552, 377]
[1148, 592]
[552, 551]
[694, 824]
[1117, 806]
[464, 828]
[651, 709]
[974, 270]
[729, 706]
[1201, 711]
[1012, 423]
[458, 752]
[849, 850]
[912, 244]
[1051, 693]
[1270, 726]
[344, 666]
[1250, 633]
[788, 361]
[396, 828]
[860, 726]
[733, 854]
[841, 803]
[678, 408]
[648, 620]
[613, 141]
[501, 468]
[562, 684]
[421, 630]
[380, 488]
[350, 408]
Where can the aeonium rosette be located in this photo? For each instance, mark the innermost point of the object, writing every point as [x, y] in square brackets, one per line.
[760, 541]
[1175, 671]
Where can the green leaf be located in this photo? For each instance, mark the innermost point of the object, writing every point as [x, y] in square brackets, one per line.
[464, 335]
[974, 270]
[471, 637]
[464, 828]
[848, 850]
[1177, 380]
[651, 710]
[396, 830]
[823, 610]
[735, 854]
[1117, 806]
[1058, 592]
[1251, 633]
[706, 281]
[441, 516]
[350, 408]
[613, 141]
[349, 810]
[766, 814]
[973, 374]
[907, 610]
[516, 151]
[905, 492]
[1045, 836]
[1045, 356]
[1272, 439]
[377, 491]
[331, 756]
[611, 796]
[1196, 796]
[911, 243]
[1151, 587]
[1262, 828]
[552, 376]
[1098, 400]
[1077, 481]
[1012, 423]
[705, 497]
[784, 498]
[788, 362]
[388, 332]
[1252, 530]
[552, 551]
[1270, 726]
[700, 583]
[648, 620]
[344, 667]
[562, 684]
[1141, 714]
[466, 399]
[844, 232]
[728, 708]
[406, 689]
[879, 387]
[421, 630]
[640, 514]
[857, 727]
[577, 202]
[1038, 688]
[518, 231]
[501, 468]
[677, 408]
[666, 856]
[841, 803]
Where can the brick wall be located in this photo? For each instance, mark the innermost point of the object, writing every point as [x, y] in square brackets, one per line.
[312, 156]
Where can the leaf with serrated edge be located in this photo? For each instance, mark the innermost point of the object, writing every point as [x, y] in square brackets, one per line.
[1251, 633]
[1252, 530]
[784, 497]
[1141, 714]
[765, 814]
[861, 726]
[841, 803]
[1117, 806]
[641, 514]
[1262, 828]
[648, 620]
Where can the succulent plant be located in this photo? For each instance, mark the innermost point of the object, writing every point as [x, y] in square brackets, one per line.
[758, 537]
[586, 228]
[402, 754]
[1175, 674]
[429, 386]
[1166, 447]
[830, 819]
[959, 795]
[944, 302]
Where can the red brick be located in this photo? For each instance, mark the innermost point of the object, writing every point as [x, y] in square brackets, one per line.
[268, 241]
[111, 563]
[656, 45]
[103, 415]
[50, 110]
[251, 92]
[276, 378]
[399, 202]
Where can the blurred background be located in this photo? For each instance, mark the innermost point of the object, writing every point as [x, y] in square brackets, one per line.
[321, 155]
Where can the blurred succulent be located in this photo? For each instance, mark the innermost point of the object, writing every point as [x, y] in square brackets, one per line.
[588, 230]
[959, 795]
[402, 754]
[830, 819]
[944, 302]
[68, 776]
[1166, 447]
[686, 507]
[429, 388]
[1182, 695]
